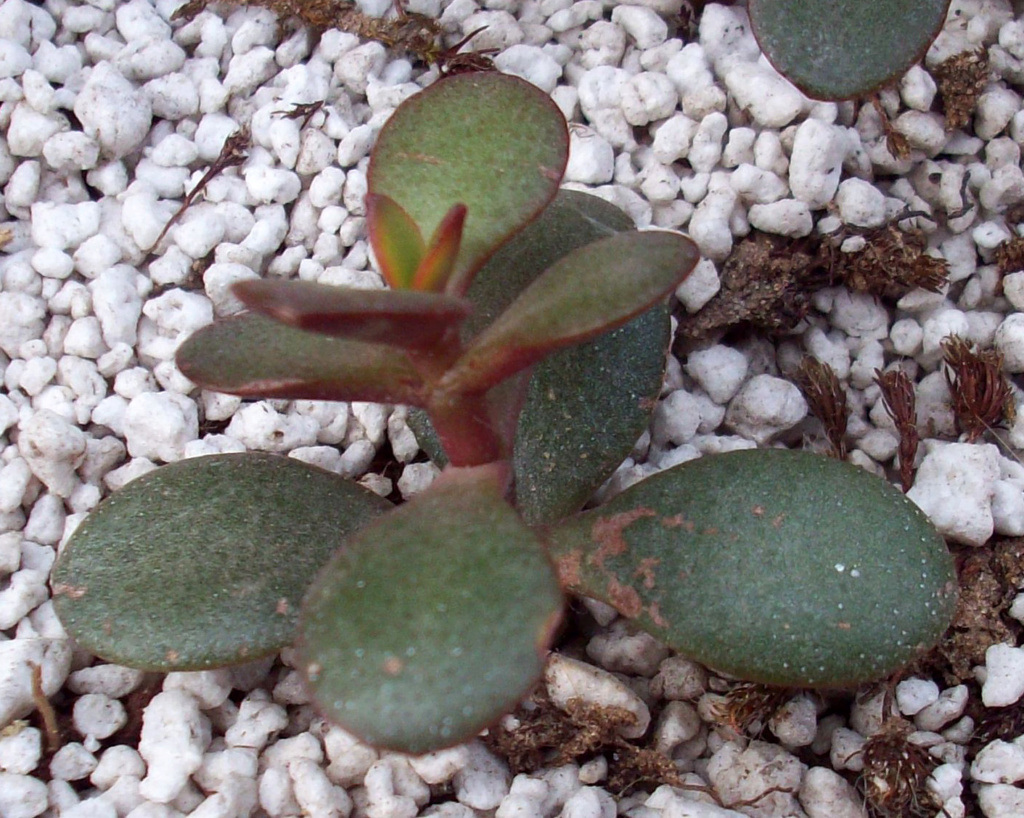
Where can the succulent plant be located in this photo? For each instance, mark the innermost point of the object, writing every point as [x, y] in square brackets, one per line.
[845, 48]
[528, 326]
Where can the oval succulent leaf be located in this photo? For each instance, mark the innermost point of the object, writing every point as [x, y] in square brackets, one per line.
[429, 625]
[204, 562]
[404, 318]
[254, 356]
[837, 49]
[575, 429]
[489, 141]
[396, 240]
[779, 567]
[591, 290]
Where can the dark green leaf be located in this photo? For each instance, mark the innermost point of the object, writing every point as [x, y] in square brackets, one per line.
[254, 356]
[495, 143]
[779, 567]
[404, 318]
[837, 49]
[431, 623]
[204, 562]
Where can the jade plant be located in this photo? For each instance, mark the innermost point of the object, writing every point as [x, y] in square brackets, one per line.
[839, 49]
[528, 326]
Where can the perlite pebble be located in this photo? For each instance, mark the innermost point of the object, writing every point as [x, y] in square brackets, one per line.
[1004, 676]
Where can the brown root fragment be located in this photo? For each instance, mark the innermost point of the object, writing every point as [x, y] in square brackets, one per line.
[1010, 255]
[46, 711]
[748, 705]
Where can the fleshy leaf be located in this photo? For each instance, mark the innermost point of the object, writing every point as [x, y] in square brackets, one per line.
[429, 625]
[575, 428]
[780, 567]
[489, 141]
[396, 240]
[837, 49]
[404, 318]
[442, 252]
[254, 356]
[204, 562]
[591, 290]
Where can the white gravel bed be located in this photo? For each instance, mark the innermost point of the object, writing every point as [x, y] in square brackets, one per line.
[110, 114]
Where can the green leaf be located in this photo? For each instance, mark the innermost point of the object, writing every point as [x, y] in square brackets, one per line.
[591, 290]
[837, 49]
[404, 318]
[442, 252]
[253, 356]
[204, 562]
[430, 624]
[489, 141]
[780, 567]
[586, 405]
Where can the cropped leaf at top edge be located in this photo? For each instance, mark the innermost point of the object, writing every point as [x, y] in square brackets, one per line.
[489, 141]
[404, 318]
[431, 623]
[586, 405]
[254, 356]
[838, 49]
[204, 562]
[593, 289]
[776, 566]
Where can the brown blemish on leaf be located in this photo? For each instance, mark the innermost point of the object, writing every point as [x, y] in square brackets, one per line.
[282, 607]
[172, 656]
[844, 626]
[608, 532]
[757, 511]
[568, 568]
[646, 570]
[550, 173]
[69, 590]
[393, 666]
[654, 612]
[624, 599]
[677, 521]
[777, 521]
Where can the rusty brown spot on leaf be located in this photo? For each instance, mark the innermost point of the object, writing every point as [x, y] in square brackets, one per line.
[608, 532]
[654, 612]
[624, 599]
[568, 568]
[645, 569]
[282, 607]
[392, 666]
[69, 590]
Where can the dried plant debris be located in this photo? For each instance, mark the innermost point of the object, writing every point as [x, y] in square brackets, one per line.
[981, 393]
[889, 264]
[988, 579]
[539, 734]
[826, 398]
[900, 402]
[749, 706]
[405, 31]
[767, 282]
[1010, 255]
[895, 772]
[895, 142]
[961, 79]
[233, 153]
[304, 111]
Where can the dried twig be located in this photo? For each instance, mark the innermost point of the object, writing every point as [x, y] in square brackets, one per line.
[981, 392]
[303, 111]
[895, 141]
[827, 400]
[45, 710]
[234, 152]
[900, 403]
